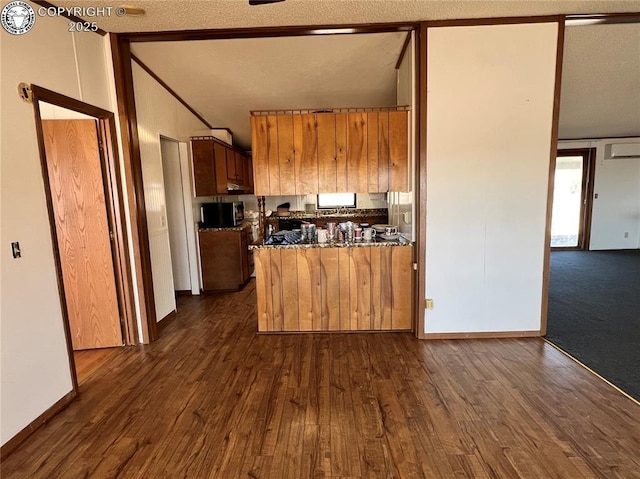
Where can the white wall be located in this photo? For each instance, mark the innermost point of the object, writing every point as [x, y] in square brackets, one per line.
[489, 116]
[159, 113]
[616, 210]
[34, 362]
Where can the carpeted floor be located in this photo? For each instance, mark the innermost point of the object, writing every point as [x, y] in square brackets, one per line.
[594, 312]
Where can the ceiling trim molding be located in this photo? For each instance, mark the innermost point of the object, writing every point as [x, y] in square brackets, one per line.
[65, 14]
[405, 45]
[578, 20]
[624, 137]
[173, 93]
[263, 32]
[472, 22]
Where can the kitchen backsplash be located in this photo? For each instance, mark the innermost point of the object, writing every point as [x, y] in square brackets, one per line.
[363, 201]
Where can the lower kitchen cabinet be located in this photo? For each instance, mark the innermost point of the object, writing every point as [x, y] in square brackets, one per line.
[225, 259]
[334, 288]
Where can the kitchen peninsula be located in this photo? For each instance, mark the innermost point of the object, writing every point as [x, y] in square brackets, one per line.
[365, 286]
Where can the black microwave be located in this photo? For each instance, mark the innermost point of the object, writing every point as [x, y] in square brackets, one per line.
[221, 215]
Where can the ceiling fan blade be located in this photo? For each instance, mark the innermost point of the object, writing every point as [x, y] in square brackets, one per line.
[263, 2]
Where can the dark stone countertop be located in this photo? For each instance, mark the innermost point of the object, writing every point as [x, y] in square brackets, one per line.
[242, 226]
[379, 243]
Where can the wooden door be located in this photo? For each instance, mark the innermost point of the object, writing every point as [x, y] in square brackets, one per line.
[203, 170]
[75, 173]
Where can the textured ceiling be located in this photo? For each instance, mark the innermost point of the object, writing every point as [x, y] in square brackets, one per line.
[600, 94]
[194, 15]
[224, 79]
[601, 81]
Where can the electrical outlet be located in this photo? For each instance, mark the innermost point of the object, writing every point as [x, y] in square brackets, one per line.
[626, 234]
[428, 304]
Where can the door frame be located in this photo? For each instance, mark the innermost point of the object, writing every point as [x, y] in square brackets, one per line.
[123, 75]
[115, 212]
[586, 206]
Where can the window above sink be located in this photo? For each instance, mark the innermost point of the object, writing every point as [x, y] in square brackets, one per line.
[336, 200]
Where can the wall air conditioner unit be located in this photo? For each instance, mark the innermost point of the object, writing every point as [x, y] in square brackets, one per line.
[621, 151]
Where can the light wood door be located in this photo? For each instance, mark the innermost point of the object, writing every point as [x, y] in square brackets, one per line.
[82, 228]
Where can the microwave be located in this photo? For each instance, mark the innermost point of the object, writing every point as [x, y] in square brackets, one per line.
[221, 215]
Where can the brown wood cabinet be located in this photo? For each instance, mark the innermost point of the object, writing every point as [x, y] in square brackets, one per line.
[216, 165]
[334, 289]
[330, 152]
[225, 259]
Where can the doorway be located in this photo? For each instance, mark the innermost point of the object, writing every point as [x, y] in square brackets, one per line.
[572, 187]
[180, 219]
[82, 186]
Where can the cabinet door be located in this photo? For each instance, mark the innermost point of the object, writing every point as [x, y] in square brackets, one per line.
[357, 168]
[383, 151]
[327, 157]
[260, 158]
[232, 174]
[220, 161]
[285, 163]
[272, 155]
[248, 172]
[203, 168]
[373, 185]
[239, 167]
[398, 151]
[305, 140]
[341, 152]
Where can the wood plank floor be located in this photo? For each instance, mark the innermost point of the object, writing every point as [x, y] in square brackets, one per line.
[89, 361]
[211, 399]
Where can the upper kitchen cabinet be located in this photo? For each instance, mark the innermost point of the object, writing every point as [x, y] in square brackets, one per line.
[219, 169]
[325, 152]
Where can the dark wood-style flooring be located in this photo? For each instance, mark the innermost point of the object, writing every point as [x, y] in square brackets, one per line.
[211, 399]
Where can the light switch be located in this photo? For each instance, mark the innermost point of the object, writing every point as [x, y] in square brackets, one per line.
[15, 250]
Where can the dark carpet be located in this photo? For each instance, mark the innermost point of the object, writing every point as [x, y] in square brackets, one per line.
[594, 312]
